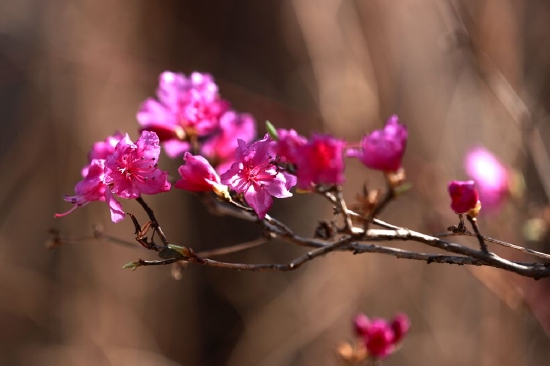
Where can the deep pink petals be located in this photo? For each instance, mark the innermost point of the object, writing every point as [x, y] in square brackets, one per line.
[91, 188]
[197, 175]
[221, 147]
[102, 149]
[383, 149]
[187, 108]
[259, 199]
[464, 196]
[256, 177]
[132, 169]
[117, 213]
[320, 161]
[381, 337]
[289, 144]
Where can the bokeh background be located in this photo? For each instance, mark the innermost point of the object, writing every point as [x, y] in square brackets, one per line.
[458, 73]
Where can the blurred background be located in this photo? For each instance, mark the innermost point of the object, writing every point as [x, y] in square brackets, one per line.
[458, 73]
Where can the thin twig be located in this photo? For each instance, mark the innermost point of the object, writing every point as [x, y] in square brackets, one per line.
[480, 239]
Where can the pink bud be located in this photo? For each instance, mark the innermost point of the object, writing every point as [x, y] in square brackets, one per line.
[464, 196]
[197, 175]
[383, 149]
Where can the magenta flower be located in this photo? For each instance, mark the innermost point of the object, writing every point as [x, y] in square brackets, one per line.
[383, 149]
[490, 175]
[320, 161]
[197, 175]
[380, 336]
[221, 147]
[132, 169]
[464, 196]
[256, 177]
[102, 149]
[289, 145]
[93, 188]
[187, 107]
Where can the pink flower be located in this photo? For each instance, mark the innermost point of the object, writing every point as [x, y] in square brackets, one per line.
[289, 145]
[93, 188]
[186, 108]
[102, 149]
[490, 175]
[380, 336]
[464, 196]
[132, 169]
[256, 177]
[320, 161]
[383, 149]
[221, 147]
[197, 175]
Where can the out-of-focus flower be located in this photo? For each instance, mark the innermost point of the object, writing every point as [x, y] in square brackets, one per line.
[380, 336]
[93, 188]
[464, 197]
[289, 145]
[102, 149]
[197, 175]
[256, 177]
[320, 161]
[383, 149]
[221, 147]
[490, 175]
[133, 168]
[188, 108]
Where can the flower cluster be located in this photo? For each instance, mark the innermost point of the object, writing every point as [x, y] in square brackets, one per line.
[189, 114]
[190, 118]
[119, 167]
[379, 336]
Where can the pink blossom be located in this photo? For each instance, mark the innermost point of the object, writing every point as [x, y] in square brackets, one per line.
[187, 107]
[132, 169]
[383, 149]
[221, 147]
[256, 177]
[102, 149]
[490, 175]
[289, 145]
[197, 175]
[93, 188]
[320, 161]
[464, 196]
[380, 336]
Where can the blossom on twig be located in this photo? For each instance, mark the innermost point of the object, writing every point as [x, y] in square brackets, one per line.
[133, 168]
[93, 188]
[187, 108]
[255, 175]
[380, 336]
[197, 175]
[383, 149]
[464, 197]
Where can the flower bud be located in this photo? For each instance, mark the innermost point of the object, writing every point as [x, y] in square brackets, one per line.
[464, 197]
